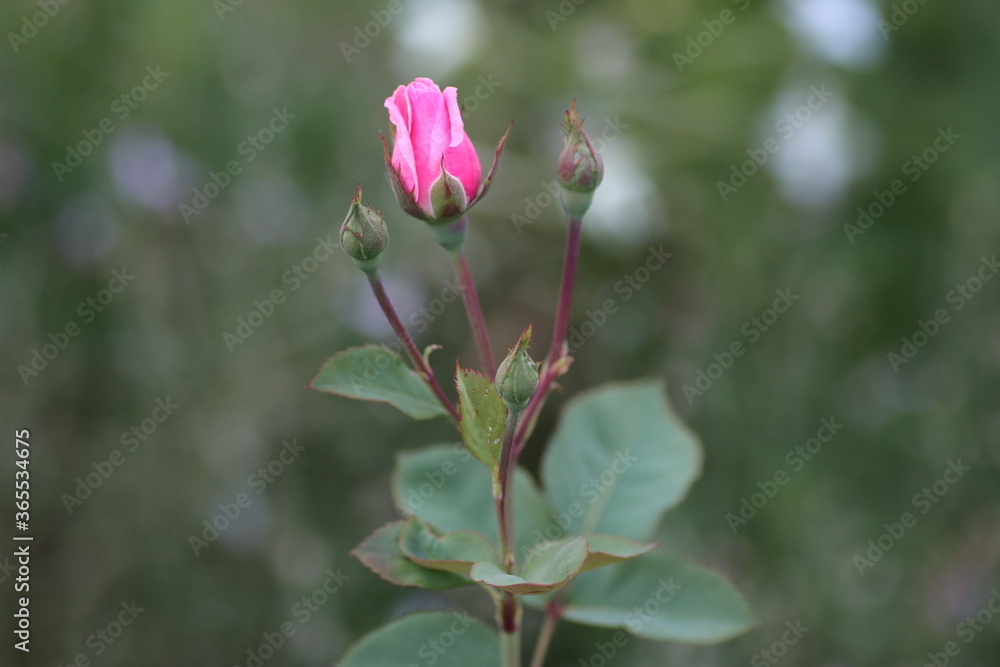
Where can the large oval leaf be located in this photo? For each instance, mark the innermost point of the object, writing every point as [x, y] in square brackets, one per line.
[602, 550]
[660, 597]
[376, 373]
[444, 639]
[547, 569]
[618, 460]
[381, 554]
[452, 552]
[446, 487]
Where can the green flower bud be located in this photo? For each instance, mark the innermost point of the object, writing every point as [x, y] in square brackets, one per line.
[579, 167]
[364, 235]
[517, 377]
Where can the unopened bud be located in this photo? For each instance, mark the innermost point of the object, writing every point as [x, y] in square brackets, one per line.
[580, 167]
[517, 377]
[364, 235]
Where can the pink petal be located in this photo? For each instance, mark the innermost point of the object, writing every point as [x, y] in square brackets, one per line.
[429, 135]
[429, 129]
[457, 125]
[402, 150]
[422, 83]
[463, 163]
[399, 102]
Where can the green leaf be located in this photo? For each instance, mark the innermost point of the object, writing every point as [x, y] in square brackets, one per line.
[483, 416]
[660, 597]
[602, 550]
[448, 489]
[609, 549]
[376, 373]
[380, 553]
[444, 639]
[451, 552]
[618, 460]
[546, 570]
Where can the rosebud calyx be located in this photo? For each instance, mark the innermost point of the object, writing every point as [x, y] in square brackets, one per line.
[517, 377]
[364, 235]
[579, 167]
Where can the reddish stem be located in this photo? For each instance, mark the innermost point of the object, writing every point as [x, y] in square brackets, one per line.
[509, 610]
[552, 367]
[417, 359]
[553, 612]
[504, 502]
[556, 352]
[474, 311]
[509, 623]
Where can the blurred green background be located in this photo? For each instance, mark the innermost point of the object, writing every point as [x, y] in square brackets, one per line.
[155, 98]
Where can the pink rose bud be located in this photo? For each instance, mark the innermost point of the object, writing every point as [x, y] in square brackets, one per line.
[434, 169]
[579, 167]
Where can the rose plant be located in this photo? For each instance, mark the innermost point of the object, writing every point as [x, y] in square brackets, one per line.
[577, 549]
